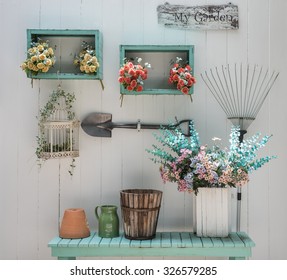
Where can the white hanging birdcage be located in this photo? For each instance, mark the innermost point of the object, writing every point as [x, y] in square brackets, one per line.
[61, 139]
[59, 133]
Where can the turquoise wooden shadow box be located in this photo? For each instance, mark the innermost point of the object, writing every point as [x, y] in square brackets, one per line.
[66, 44]
[161, 58]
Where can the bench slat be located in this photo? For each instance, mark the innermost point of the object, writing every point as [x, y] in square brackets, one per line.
[95, 241]
[86, 241]
[246, 239]
[165, 239]
[185, 239]
[236, 240]
[176, 240]
[235, 246]
[227, 242]
[156, 242]
[115, 242]
[217, 242]
[196, 241]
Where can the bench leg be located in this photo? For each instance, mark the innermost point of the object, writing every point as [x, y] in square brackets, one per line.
[66, 258]
[237, 258]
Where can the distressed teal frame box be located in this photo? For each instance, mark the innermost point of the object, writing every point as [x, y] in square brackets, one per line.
[93, 35]
[186, 50]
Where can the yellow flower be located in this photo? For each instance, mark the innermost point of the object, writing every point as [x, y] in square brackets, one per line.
[51, 51]
[93, 69]
[45, 69]
[42, 56]
[87, 69]
[87, 60]
[94, 60]
[31, 51]
[48, 62]
[40, 65]
[87, 57]
[40, 48]
[23, 66]
[34, 58]
[30, 65]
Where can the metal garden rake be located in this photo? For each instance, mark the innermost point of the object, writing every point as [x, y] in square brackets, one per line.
[240, 91]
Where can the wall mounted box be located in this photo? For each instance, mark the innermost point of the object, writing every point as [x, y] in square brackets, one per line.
[160, 57]
[66, 44]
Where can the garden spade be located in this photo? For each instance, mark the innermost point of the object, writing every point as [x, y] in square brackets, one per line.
[101, 125]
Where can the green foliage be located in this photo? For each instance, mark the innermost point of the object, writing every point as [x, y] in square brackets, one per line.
[191, 165]
[45, 113]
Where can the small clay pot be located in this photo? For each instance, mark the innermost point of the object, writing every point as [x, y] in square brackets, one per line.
[74, 224]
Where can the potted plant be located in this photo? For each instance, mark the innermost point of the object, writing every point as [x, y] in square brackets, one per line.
[197, 168]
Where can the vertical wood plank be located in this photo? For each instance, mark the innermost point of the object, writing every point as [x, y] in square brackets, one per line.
[277, 101]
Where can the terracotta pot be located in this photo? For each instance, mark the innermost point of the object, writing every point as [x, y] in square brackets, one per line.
[74, 224]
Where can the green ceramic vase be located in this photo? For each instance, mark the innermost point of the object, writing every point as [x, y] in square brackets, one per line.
[108, 221]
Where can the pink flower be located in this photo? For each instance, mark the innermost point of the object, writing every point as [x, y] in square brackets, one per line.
[122, 71]
[144, 76]
[181, 82]
[175, 77]
[185, 90]
[121, 79]
[190, 83]
[130, 64]
[182, 77]
[133, 83]
[139, 72]
[128, 80]
[188, 76]
[139, 88]
[132, 72]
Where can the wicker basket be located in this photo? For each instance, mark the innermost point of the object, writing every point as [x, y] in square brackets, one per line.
[140, 210]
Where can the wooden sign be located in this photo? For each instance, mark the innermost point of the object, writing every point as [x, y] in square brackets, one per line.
[209, 17]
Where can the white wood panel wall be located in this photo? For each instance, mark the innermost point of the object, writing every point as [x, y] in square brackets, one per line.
[33, 199]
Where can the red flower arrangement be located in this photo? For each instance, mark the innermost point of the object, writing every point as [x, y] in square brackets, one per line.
[181, 76]
[131, 75]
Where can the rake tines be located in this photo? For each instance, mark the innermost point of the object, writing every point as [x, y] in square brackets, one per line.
[240, 90]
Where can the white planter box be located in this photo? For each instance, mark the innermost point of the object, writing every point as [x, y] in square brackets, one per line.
[211, 210]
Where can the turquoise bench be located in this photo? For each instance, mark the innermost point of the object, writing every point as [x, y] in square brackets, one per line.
[237, 245]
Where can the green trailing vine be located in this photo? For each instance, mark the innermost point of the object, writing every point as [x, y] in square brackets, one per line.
[50, 106]
[43, 117]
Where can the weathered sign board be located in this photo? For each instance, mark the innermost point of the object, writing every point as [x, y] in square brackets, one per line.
[208, 17]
